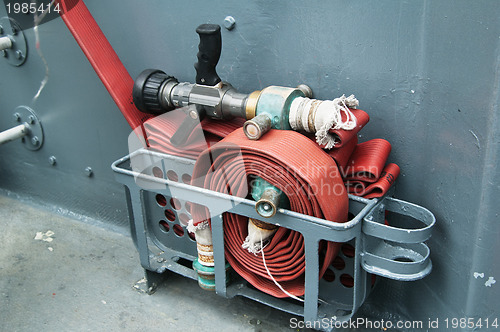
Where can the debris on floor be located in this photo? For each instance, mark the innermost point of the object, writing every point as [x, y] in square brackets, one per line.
[47, 236]
[141, 286]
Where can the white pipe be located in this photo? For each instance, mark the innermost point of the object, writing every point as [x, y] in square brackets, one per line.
[5, 43]
[14, 133]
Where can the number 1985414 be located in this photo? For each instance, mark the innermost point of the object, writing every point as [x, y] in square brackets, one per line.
[31, 8]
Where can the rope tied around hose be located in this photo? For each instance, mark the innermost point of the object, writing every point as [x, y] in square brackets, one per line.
[323, 116]
[258, 232]
[259, 249]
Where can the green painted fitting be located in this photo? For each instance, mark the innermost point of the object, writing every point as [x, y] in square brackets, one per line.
[206, 275]
[275, 101]
[269, 198]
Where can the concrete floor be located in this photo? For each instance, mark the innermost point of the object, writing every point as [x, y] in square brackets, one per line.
[82, 280]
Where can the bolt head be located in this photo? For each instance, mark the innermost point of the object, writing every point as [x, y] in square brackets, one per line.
[193, 114]
[17, 117]
[19, 55]
[31, 119]
[88, 171]
[52, 160]
[229, 22]
[306, 90]
[35, 141]
[14, 31]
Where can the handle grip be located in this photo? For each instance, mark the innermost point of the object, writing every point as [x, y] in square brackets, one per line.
[208, 55]
[195, 114]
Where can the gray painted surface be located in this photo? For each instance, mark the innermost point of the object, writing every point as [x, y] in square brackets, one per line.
[427, 72]
[88, 284]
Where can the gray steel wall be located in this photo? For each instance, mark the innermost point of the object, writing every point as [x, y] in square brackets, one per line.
[427, 72]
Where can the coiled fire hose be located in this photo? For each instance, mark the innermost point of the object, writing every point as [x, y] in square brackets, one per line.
[309, 178]
[279, 268]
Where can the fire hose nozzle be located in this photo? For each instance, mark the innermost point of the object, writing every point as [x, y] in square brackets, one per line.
[156, 92]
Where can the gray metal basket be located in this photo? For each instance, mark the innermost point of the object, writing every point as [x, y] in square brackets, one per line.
[159, 199]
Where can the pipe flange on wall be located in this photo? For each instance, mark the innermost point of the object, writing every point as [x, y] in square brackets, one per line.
[34, 138]
[15, 51]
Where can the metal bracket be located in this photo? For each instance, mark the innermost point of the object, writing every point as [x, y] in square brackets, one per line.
[17, 54]
[370, 246]
[34, 139]
[394, 252]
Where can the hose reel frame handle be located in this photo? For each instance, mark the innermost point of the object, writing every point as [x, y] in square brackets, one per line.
[394, 252]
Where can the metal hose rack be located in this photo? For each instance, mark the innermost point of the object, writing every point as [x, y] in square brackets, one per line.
[159, 197]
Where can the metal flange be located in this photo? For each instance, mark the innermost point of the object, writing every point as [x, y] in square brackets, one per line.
[34, 139]
[15, 55]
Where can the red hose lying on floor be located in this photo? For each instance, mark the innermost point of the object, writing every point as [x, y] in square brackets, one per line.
[311, 181]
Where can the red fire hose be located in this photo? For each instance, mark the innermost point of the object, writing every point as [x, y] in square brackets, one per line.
[377, 188]
[103, 58]
[309, 178]
[367, 161]
[345, 136]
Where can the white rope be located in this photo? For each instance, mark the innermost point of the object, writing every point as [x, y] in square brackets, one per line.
[192, 228]
[252, 243]
[272, 278]
[333, 120]
[259, 249]
[252, 248]
[319, 116]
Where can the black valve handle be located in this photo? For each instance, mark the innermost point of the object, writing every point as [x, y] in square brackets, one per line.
[195, 113]
[209, 54]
